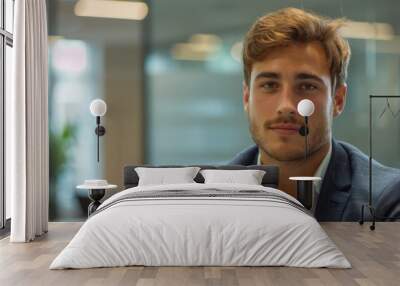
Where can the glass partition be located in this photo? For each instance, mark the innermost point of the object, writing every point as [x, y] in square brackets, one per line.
[91, 56]
[194, 110]
[173, 86]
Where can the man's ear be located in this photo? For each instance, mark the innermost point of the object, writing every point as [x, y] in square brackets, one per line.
[339, 101]
[246, 95]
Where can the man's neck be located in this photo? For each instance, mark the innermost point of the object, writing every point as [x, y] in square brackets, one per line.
[296, 168]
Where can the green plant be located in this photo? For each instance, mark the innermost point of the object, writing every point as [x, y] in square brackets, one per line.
[59, 144]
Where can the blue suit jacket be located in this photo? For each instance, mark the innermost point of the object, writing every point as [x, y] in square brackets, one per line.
[346, 184]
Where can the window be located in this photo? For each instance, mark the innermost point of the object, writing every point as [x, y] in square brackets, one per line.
[6, 44]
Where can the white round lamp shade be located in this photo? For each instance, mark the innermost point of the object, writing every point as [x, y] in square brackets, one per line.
[98, 107]
[305, 107]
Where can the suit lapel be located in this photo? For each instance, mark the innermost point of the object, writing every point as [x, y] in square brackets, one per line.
[246, 157]
[334, 192]
[252, 156]
[255, 158]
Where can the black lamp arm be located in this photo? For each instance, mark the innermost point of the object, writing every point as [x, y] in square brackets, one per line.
[100, 131]
[306, 137]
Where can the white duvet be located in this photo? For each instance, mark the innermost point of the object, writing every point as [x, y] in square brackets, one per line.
[185, 231]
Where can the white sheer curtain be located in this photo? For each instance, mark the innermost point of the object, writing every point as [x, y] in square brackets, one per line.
[27, 124]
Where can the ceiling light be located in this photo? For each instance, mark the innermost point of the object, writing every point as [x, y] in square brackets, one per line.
[366, 30]
[198, 48]
[236, 51]
[111, 9]
[188, 51]
[208, 39]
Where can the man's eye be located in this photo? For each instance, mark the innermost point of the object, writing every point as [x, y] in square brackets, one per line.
[270, 85]
[308, 87]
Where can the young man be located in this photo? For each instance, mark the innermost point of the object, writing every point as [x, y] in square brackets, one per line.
[292, 55]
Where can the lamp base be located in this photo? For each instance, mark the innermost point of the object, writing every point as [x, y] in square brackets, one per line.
[305, 190]
[305, 193]
[95, 195]
[372, 212]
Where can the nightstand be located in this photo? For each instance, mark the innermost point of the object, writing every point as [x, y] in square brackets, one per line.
[96, 193]
[305, 192]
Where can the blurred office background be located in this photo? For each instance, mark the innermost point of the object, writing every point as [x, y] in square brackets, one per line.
[172, 82]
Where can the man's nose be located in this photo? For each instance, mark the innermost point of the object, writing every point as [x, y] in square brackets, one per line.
[287, 102]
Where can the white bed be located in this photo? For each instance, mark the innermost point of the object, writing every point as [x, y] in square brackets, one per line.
[250, 225]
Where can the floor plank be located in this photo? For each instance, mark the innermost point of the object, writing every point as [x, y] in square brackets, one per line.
[374, 255]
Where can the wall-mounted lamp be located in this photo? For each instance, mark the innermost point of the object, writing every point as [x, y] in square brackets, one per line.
[305, 191]
[98, 108]
[305, 108]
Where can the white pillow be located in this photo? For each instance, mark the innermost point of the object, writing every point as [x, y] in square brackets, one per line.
[248, 177]
[162, 176]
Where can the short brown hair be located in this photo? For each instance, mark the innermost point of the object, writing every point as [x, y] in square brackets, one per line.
[291, 25]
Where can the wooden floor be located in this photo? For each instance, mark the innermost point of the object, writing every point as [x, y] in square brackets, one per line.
[374, 255]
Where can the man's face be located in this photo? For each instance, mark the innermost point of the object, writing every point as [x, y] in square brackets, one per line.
[277, 84]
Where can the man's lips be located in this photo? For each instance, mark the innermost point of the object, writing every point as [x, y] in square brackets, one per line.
[285, 129]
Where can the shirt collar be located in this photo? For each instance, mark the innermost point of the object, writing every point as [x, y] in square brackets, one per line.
[324, 164]
[321, 170]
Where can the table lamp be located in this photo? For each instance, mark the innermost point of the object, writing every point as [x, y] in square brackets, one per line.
[98, 108]
[305, 184]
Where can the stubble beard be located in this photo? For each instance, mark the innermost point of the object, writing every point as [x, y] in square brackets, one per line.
[316, 141]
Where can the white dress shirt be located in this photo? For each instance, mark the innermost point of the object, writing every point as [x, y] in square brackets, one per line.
[321, 170]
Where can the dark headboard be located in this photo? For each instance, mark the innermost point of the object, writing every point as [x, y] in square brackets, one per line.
[270, 179]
